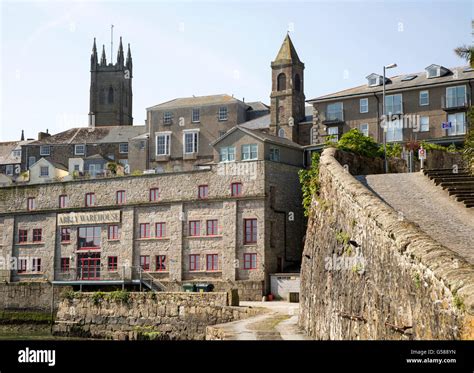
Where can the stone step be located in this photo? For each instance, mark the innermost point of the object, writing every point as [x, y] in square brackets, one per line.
[453, 178]
[465, 198]
[458, 184]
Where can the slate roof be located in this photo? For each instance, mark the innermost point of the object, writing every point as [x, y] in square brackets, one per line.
[97, 135]
[263, 122]
[197, 101]
[396, 83]
[287, 52]
[6, 151]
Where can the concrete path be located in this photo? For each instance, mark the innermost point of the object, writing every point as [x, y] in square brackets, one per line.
[278, 323]
[418, 199]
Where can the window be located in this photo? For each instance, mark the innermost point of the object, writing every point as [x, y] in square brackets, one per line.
[250, 231]
[275, 154]
[394, 130]
[112, 263]
[212, 262]
[9, 169]
[37, 235]
[191, 142]
[393, 104]
[211, 227]
[154, 194]
[222, 113]
[163, 144]
[22, 265]
[250, 261]
[167, 117]
[120, 197]
[45, 150]
[458, 124]
[145, 262]
[297, 83]
[364, 105]
[31, 161]
[249, 151]
[335, 112]
[79, 149]
[145, 230]
[364, 128]
[281, 133]
[88, 238]
[113, 232]
[281, 82]
[313, 136]
[227, 154]
[160, 230]
[160, 263]
[17, 153]
[195, 228]
[65, 234]
[90, 199]
[31, 203]
[110, 97]
[63, 201]
[424, 124]
[456, 96]
[196, 115]
[22, 236]
[123, 148]
[36, 265]
[65, 263]
[44, 171]
[433, 72]
[424, 98]
[194, 262]
[236, 189]
[203, 191]
[333, 133]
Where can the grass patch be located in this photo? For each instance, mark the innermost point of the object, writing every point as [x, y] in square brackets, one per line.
[24, 317]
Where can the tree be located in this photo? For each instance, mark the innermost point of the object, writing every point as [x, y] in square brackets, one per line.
[466, 53]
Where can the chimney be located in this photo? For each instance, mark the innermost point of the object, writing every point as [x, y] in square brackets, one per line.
[22, 135]
[91, 120]
[43, 135]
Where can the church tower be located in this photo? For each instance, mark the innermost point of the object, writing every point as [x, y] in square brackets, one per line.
[287, 97]
[111, 89]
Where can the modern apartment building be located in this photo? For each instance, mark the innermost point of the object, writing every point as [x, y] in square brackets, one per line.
[429, 105]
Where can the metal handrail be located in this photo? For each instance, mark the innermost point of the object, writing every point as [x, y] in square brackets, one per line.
[152, 281]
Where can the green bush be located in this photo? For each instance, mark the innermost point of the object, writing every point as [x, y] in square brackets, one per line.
[468, 149]
[119, 296]
[356, 142]
[309, 180]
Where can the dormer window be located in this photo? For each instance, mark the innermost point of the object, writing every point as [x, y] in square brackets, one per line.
[374, 80]
[435, 71]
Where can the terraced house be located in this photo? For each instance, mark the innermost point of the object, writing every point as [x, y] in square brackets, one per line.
[430, 105]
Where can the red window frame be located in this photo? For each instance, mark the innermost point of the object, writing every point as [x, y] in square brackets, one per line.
[30, 203]
[250, 261]
[212, 262]
[65, 265]
[22, 265]
[90, 237]
[195, 228]
[203, 191]
[160, 230]
[36, 265]
[90, 199]
[112, 263]
[145, 262]
[154, 194]
[236, 189]
[113, 232]
[160, 263]
[63, 201]
[250, 231]
[212, 228]
[65, 234]
[120, 197]
[144, 230]
[22, 235]
[194, 262]
[37, 235]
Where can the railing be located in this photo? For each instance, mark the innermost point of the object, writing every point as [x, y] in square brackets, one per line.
[148, 280]
[455, 102]
[334, 116]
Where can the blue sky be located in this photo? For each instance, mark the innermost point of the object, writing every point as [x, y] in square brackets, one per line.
[189, 48]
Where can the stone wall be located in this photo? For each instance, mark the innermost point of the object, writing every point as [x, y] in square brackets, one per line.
[34, 296]
[398, 284]
[146, 315]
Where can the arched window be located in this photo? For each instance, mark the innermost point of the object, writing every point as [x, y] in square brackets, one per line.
[102, 96]
[281, 82]
[297, 83]
[281, 133]
[111, 96]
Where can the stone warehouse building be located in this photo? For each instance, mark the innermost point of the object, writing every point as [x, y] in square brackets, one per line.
[231, 223]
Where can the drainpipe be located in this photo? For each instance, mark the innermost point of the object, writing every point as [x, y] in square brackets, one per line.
[378, 116]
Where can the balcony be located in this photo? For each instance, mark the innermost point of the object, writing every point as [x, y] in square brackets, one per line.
[455, 103]
[331, 117]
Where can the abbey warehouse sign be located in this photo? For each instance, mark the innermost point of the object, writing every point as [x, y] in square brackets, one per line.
[99, 217]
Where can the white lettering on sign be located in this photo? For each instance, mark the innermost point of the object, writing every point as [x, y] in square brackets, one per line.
[99, 217]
